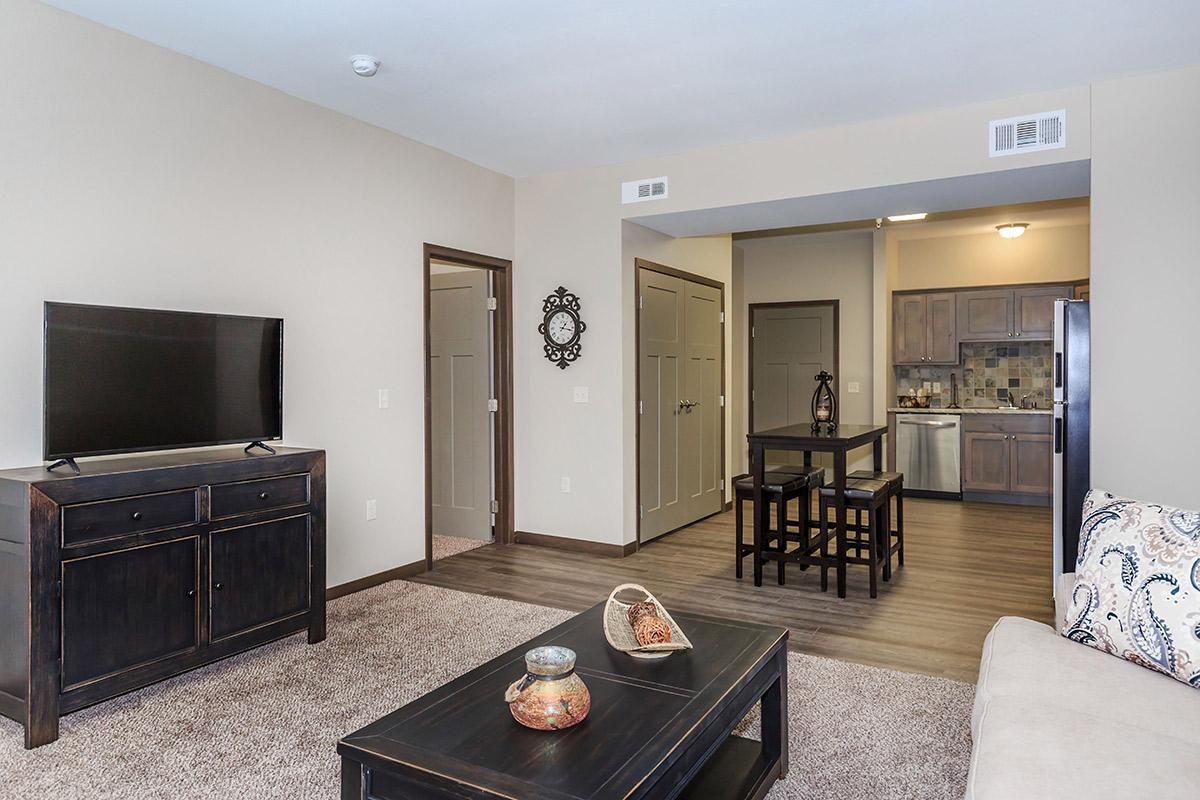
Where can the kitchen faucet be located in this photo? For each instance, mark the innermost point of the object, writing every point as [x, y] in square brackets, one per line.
[1026, 397]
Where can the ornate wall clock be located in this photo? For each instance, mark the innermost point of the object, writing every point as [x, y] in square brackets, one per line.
[561, 327]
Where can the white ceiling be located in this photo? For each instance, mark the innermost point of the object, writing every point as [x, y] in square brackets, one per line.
[528, 86]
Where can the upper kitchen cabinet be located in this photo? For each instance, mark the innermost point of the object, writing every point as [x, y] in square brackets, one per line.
[1033, 310]
[1083, 291]
[924, 329]
[985, 316]
[994, 315]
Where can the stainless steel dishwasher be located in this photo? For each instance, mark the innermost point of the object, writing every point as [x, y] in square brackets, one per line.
[928, 453]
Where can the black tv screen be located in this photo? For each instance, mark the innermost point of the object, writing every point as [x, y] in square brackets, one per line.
[124, 380]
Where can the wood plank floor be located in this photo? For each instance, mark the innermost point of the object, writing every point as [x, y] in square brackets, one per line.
[966, 565]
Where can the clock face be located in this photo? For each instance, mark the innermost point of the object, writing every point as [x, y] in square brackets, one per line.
[561, 327]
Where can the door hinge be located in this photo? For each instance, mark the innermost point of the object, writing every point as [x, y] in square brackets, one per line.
[640, 300]
[491, 304]
[722, 317]
[751, 331]
[753, 392]
[722, 401]
[641, 410]
[493, 404]
[722, 484]
[495, 506]
[641, 512]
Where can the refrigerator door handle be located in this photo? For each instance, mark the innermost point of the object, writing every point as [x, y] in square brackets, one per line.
[1058, 370]
[1058, 434]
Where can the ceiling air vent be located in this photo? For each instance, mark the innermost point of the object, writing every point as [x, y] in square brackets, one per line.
[1027, 134]
[643, 190]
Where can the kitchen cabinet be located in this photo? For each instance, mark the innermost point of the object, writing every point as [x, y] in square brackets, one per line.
[993, 315]
[924, 328]
[1083, 291]
[1008, 454]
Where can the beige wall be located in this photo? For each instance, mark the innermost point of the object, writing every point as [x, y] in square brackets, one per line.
[1146, 287]
[136, 176]
[1041, 255]
[824, 266]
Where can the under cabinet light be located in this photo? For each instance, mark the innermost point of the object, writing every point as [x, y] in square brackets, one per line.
[908, 217]
[1012, 230]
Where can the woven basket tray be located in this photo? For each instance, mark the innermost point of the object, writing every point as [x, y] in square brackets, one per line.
[619, 632]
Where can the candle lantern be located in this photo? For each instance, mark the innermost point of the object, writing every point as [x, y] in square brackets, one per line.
[824, 403]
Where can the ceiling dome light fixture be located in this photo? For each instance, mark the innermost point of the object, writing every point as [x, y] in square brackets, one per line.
[1012, 230]
[365, 66]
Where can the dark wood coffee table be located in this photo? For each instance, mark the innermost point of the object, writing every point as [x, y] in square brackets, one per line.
[657, 729]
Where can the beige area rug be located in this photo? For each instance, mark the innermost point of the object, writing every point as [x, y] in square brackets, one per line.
[446, 546]
[265, 723]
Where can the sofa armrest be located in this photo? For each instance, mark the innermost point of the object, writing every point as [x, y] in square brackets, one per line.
[1062, 598]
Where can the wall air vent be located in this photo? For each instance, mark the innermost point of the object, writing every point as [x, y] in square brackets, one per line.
[643, 190]
[1027, 134]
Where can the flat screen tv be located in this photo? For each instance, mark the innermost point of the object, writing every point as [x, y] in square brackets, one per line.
[127, 380]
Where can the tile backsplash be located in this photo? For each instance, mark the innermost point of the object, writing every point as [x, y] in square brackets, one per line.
[987, 374]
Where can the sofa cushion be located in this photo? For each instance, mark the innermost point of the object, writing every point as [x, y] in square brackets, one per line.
[1137, 584]
[1031, 750]
[1027, 660]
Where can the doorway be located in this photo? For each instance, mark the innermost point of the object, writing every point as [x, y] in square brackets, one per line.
[681, 398]
[468, 401]
[790, 342]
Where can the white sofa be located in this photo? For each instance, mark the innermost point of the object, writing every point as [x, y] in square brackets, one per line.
[1056, 719]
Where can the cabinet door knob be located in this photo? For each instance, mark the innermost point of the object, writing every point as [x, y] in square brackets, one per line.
[263, 495]
[218, 586]
[1010, 333]
[137, 515]
[1018, 333]
[191, 592]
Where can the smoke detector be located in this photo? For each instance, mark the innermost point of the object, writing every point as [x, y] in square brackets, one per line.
[365, 66]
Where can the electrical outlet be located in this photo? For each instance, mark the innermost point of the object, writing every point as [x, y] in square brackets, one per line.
[853, 388]
[385, 398]
[937, 387]
[372, 510]
[581, 394]
[927, 386]
[564, 485]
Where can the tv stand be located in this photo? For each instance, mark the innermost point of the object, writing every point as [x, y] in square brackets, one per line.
[256, 443]
[64, 462]
[149, 566]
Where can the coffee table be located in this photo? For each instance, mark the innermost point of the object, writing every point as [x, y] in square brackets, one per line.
[657, 729]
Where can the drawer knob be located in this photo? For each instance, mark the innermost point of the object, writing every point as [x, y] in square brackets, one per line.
[264, 495]
[137, 515]
[191, 592]
[218, 586]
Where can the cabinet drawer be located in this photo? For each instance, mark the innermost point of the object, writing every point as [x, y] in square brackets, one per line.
[232, 499]
[92, 521]
[1007, 423]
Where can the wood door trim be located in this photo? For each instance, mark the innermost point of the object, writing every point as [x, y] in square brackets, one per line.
[837, 345]
[641, 263]
[501, 270]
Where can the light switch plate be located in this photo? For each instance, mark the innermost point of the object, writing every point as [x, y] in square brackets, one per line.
[372, 510]
[937, 387]
[385, 398]
[581, 394]
[853, 388]
[564, 485]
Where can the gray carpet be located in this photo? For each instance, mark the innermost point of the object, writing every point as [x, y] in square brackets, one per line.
[265, 723]
[446, 546]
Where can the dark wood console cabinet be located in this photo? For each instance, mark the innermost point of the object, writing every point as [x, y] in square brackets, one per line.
[148, 566]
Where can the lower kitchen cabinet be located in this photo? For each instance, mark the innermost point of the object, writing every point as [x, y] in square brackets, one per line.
[131, 607]
[1007, 458]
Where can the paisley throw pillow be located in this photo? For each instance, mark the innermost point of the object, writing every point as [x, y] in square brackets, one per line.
[1137, 584]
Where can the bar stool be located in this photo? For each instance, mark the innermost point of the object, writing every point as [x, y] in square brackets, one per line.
[895, 541]
[862, 495]
[781, 485]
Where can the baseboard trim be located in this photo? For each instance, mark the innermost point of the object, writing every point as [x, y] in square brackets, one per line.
[393, 574]
[576, 545]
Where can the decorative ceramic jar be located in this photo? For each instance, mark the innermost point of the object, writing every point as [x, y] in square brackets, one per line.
[551, 696]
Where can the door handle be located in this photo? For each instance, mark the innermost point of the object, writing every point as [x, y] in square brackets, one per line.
[1058, 435]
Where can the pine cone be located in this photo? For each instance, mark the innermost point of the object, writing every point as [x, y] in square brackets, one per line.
[639, 610]
[652, 630]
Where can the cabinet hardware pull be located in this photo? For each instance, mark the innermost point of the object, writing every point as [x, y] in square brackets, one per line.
[263, 495]
[218, 586]
[137, 515]
[191, 592]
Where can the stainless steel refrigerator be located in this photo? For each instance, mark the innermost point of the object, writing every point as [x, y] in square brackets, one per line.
[1072, 426]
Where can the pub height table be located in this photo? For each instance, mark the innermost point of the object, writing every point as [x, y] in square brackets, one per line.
[808, 439]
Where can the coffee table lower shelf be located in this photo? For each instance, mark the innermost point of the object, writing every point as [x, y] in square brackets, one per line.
[739, 770]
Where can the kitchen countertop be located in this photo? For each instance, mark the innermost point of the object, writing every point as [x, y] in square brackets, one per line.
[975, 410]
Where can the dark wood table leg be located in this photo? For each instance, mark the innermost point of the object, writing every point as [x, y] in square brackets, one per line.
[839, 505]
[774, 708]
[353, 785]
[757, 470]
[877, 448]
